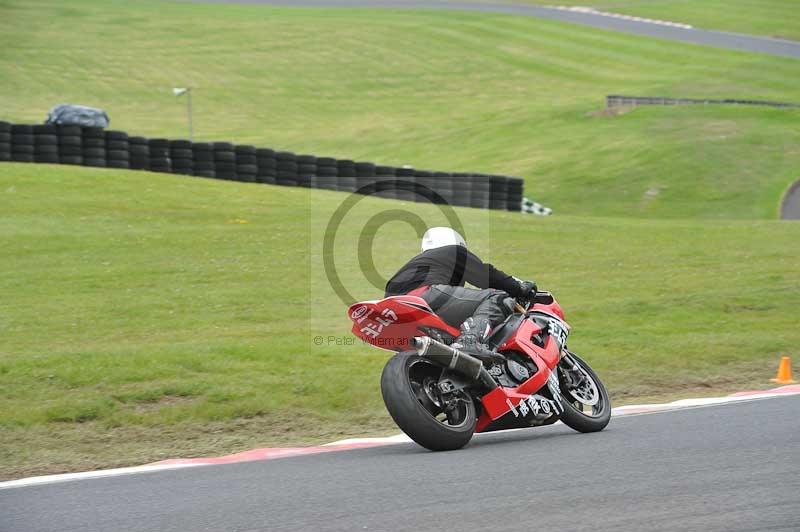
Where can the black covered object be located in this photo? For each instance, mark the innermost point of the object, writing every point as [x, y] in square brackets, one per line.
[77, 115]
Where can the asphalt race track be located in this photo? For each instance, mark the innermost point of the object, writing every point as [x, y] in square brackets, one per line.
[720, 39]
[790, 209]
[731, 468]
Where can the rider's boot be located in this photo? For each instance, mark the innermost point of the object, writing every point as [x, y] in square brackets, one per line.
[472, 340]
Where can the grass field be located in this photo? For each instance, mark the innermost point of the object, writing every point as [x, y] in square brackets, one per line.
[145, 316]
[446, 90]
[141, 318]
[773, 18]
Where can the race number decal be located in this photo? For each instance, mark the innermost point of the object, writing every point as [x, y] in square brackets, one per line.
[559, 332]
[374, 327]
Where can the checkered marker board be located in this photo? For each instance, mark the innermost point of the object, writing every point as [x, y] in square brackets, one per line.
[531, 207]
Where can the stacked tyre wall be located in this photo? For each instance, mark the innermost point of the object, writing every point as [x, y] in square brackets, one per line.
[87, 146]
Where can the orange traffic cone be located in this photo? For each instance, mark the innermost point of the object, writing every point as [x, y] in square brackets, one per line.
[784, 372]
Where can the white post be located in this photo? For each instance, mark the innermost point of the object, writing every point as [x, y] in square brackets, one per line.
[180, 91]
[189, 106]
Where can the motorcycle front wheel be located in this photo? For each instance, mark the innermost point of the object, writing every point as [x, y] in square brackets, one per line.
[409, 385]
[587, 407]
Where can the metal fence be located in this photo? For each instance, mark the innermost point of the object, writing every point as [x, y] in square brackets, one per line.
[616, 100]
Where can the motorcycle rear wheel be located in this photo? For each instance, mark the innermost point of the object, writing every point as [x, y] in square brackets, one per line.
[409, 393]
[587, 408]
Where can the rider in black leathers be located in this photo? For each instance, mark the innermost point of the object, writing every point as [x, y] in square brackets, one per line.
[438, 275]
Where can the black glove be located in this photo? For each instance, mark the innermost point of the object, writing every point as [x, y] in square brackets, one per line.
[527, 289]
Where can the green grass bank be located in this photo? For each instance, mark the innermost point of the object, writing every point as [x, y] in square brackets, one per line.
[436, 89]
[146, 315]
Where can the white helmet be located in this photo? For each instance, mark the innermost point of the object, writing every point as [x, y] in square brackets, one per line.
[437, 237]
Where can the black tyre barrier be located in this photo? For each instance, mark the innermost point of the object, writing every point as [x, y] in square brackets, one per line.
[181, 157]
[246, 163]
[498, 194]
[45, 144]
[203, 159]
[117, 149]
[21, 145]
[94, 146]
[140, 153]
[5, 141]
[91, 146]
[70, 144]
[158, 158]
[224, 161]
[346, 168]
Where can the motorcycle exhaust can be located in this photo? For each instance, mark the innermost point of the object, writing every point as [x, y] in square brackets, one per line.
[454, 360]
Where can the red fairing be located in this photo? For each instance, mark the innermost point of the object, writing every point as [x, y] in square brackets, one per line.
[501, 400]
[391, 323]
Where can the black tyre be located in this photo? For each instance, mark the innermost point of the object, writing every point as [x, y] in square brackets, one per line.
[94, 133]
[116, 135]
[242, 158]
[118, 155]
[246, 169]
[117, 145]
[68, 130]
[44, 129]
[587, 407]
[245, 149]
[93, 143]
[98, 153]
[180, 153]
[70, 150]
[225, 156]
[69, 140]
[45, 140]
[23, 139]
[139, 164]
[286, 166]
[180, 144]
[408, 385]
[160, 162]
[51, 158]
[45, 150]
[307, 169]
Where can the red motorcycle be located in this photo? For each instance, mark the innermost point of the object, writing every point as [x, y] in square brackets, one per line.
[440, 396]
